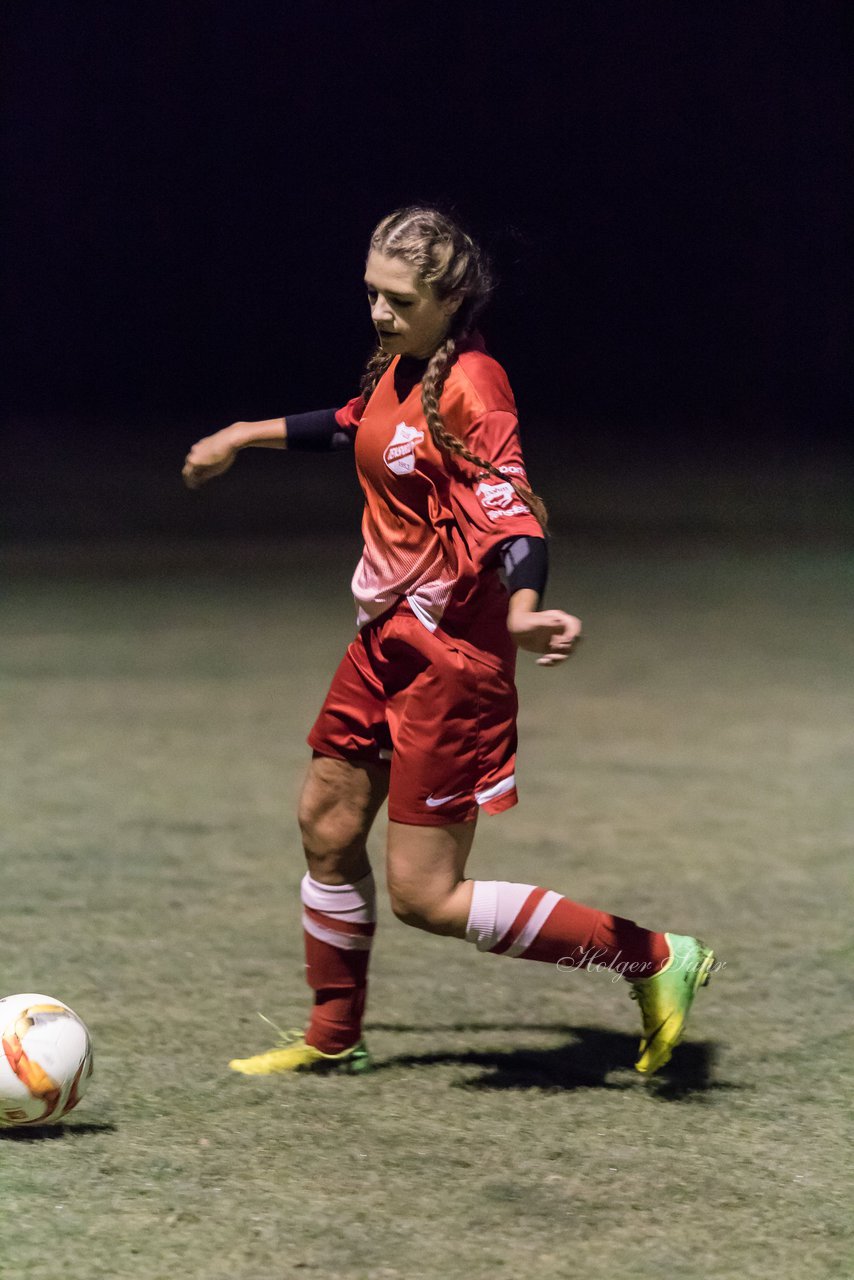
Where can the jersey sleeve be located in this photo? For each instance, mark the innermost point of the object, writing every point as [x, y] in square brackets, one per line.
[349, 417]
[488, 508]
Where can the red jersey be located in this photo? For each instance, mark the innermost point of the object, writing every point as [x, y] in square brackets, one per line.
[431, 519]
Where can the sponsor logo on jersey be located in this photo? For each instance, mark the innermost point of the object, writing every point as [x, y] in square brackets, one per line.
[500, 500]
[501, 494]
[399, 455]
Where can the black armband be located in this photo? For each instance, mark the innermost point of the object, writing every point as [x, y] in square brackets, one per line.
[316, 432]
[525, 561]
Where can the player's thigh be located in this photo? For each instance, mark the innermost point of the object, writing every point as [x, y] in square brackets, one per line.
[454, 733]
[340, 800]
[425, 874]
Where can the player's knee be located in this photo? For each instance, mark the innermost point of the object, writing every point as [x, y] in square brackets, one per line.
[334, 814]
[407, 912]
[327, 831]
[420, 909]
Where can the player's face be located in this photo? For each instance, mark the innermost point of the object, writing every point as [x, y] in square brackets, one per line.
[408, 318]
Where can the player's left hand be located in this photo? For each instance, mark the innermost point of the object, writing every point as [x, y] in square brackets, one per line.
[550, 632]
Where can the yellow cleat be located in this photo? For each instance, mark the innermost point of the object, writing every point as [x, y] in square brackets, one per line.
[665, 1000]
[293, 1054]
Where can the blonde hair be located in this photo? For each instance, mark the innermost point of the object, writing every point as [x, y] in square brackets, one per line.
[448, 260]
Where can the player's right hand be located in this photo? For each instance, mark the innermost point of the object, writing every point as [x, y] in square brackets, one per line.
[209, 457]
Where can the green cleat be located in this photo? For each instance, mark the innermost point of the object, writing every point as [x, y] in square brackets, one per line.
[293, 1054]
[665, 1000]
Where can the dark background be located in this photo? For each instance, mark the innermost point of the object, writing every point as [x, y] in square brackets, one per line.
[192, 185]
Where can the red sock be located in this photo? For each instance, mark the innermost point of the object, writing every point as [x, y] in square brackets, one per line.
[338, 926]
[538, 924]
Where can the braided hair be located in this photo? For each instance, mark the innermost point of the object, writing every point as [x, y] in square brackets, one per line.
[448, 260]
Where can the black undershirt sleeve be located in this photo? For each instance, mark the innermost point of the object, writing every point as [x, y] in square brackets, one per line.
[316, 432]
[526, 564]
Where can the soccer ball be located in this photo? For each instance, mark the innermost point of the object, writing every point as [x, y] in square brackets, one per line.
[46, 1060]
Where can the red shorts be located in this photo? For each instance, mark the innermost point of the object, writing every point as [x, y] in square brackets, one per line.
[444, 719]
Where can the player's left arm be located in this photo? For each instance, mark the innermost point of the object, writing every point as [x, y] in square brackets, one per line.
[549, 632]
[500, 520]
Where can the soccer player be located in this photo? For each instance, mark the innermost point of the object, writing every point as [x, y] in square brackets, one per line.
[422, 708]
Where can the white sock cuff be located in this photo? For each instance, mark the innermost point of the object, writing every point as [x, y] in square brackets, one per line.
[480, 926]
[495, 904]
[356, 902]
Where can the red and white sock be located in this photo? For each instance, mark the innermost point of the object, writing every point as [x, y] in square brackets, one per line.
[338, 922]
[538, 924]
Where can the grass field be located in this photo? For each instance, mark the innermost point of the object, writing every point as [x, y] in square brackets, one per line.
[691, 768]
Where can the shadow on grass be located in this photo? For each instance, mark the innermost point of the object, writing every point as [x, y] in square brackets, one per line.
[585, 1062]
[43, 1132]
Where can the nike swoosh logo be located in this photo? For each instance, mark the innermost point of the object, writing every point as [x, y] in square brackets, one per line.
[433, 802]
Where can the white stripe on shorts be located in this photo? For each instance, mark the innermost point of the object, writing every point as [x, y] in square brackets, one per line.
[500, 789]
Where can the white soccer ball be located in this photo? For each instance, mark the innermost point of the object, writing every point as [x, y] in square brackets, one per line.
[46, 1060]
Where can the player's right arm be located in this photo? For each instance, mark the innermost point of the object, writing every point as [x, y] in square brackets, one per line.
[318, 432]
[213, 455]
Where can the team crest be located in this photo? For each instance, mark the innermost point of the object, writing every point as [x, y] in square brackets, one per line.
[399, 455]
